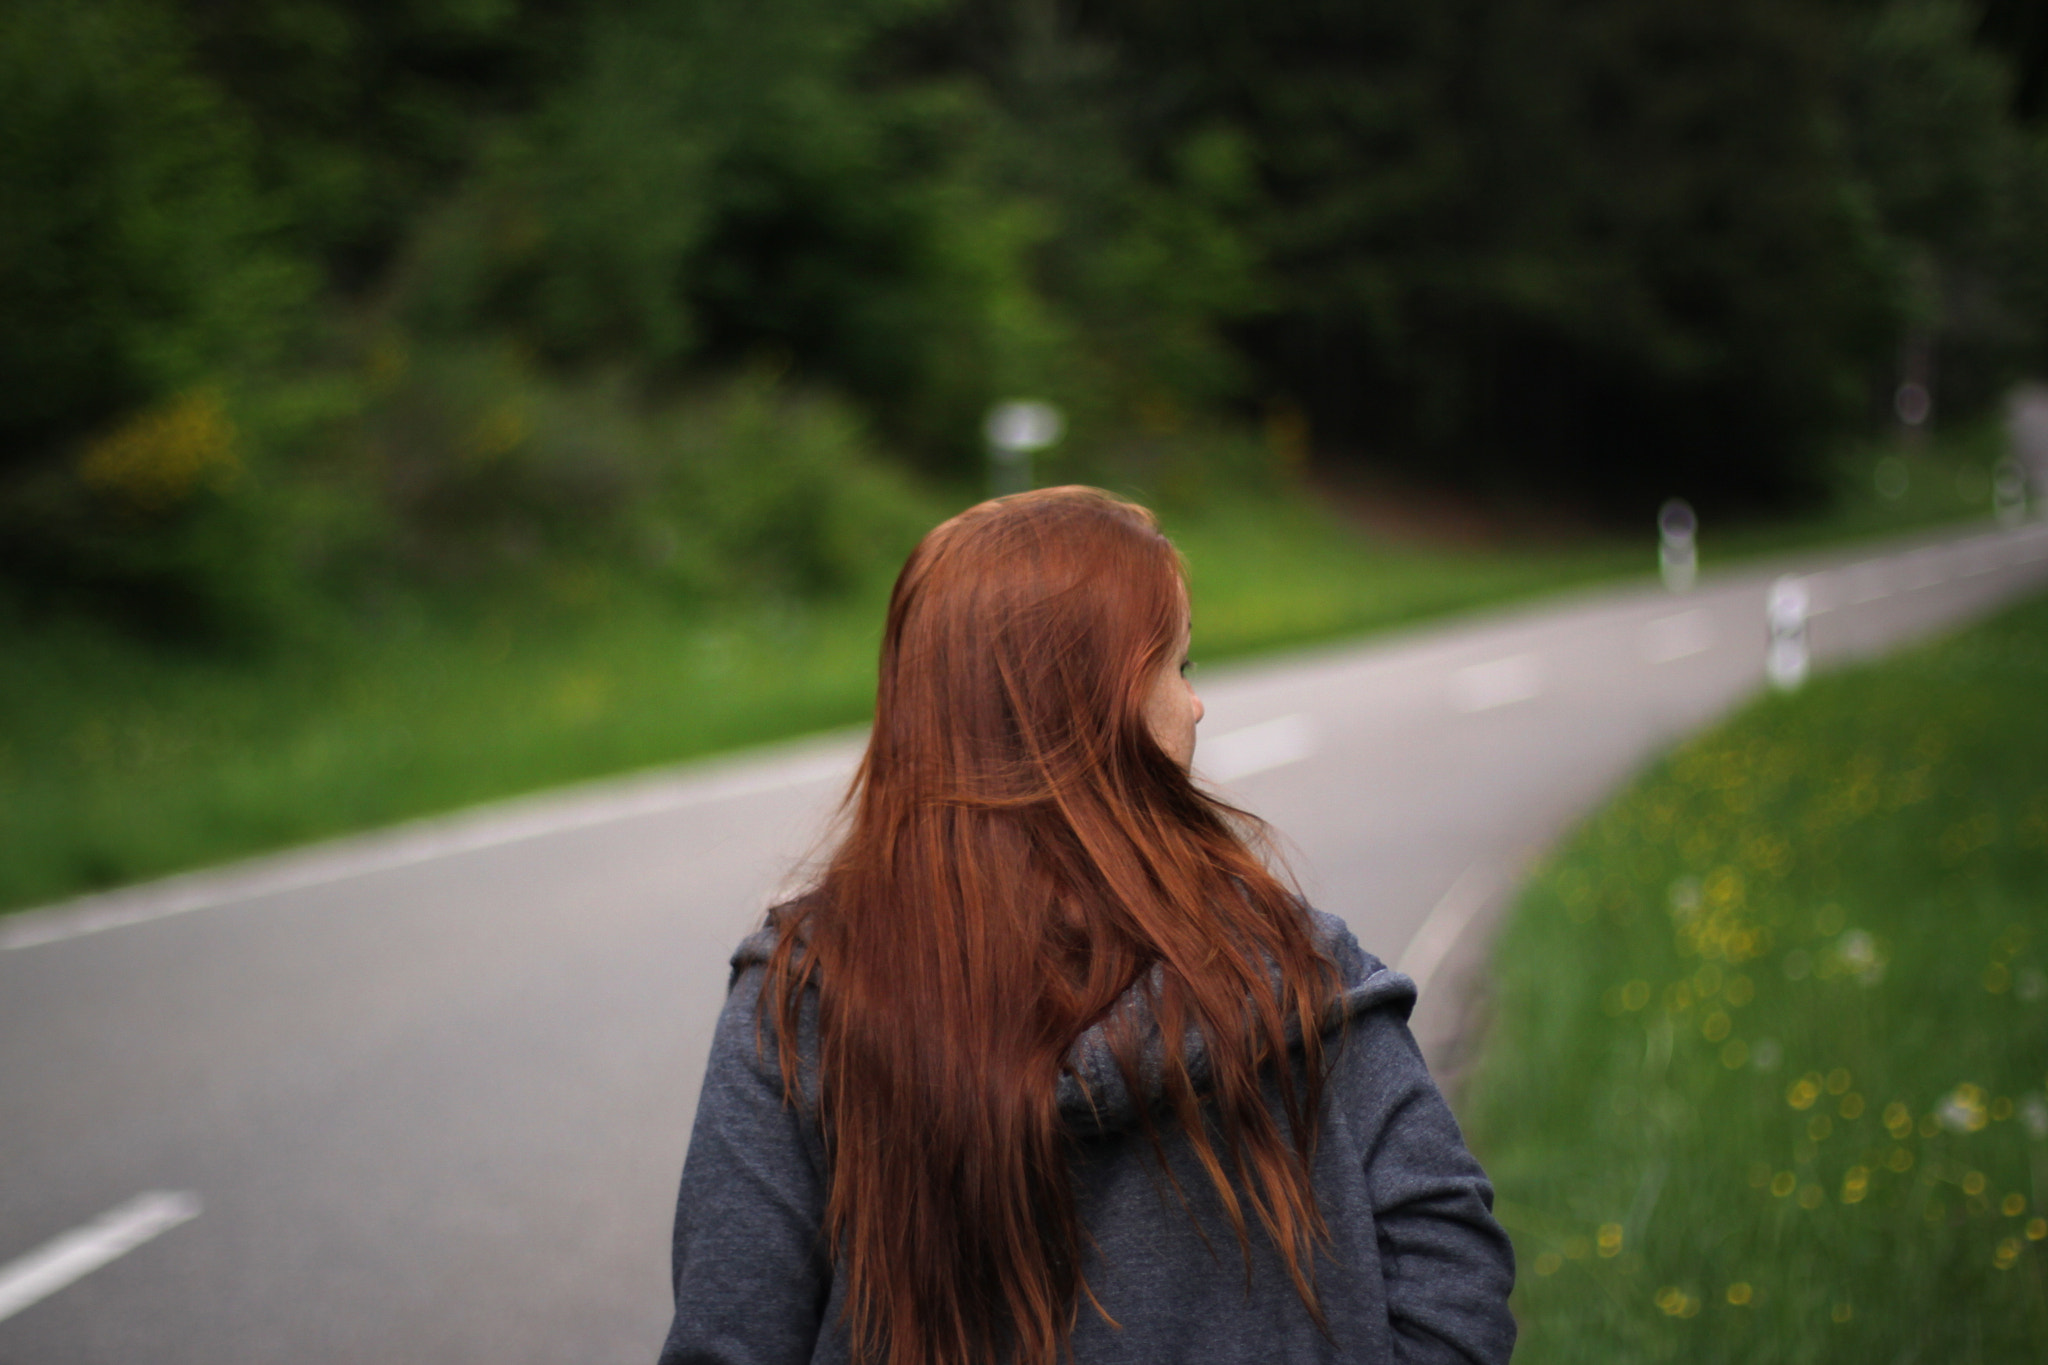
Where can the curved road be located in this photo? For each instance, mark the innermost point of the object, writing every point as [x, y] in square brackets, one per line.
[422, 1096]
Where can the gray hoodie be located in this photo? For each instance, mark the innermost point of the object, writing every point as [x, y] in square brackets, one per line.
[1416, 1269]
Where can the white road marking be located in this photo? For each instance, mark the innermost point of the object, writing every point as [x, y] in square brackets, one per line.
[1446, 920]
[1921, 571]
[1256, 748]
[1669, 638]
[1870, 581]
[1501, 682]
[77, 1253]
[441, 837]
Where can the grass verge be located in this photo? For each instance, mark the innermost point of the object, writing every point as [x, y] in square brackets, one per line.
[1766, 1076]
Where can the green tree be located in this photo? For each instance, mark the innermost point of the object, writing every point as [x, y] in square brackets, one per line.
[1607, 247]
[369, 110]
[724, 184]
[139, 268]
[1956, 182]
[136, 253]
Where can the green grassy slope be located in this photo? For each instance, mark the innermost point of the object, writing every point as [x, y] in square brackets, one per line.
[1766, 1077]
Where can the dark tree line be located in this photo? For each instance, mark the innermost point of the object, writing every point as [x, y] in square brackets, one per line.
[1602, 249]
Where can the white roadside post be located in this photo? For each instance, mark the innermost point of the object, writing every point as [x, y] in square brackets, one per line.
[1787, 659]
[1014, 430]
[2009, 492]
[1678, 558]
[2026, 433]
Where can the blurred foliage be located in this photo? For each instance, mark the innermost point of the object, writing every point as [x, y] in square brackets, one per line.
[487, 471]
[477, 289]
[137, 253]
[1615, 248]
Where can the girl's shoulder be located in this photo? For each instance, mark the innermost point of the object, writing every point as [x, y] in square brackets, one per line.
[757, 948]
[1365, 982]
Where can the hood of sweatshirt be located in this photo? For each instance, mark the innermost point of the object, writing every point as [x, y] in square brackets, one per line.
[1093, 1096]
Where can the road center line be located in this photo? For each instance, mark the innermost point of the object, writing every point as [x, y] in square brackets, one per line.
[1500, 682]
[1256, 748]
[1865, 581]
[1670, 638]
[75, 1254]
[1921, 571]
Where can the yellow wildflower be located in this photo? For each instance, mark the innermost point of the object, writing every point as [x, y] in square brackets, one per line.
[1898, 1120]
[1675, 1302]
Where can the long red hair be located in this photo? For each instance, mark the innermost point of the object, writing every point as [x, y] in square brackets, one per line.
[1019, 852]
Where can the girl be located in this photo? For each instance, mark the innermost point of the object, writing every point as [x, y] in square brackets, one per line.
[1048, 1064]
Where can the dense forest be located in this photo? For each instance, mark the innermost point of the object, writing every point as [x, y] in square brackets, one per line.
[304, 298]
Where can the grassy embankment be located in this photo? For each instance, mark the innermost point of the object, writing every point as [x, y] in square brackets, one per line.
[1765, 1078]
[119, 762]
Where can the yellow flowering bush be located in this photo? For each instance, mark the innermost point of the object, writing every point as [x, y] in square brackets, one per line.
[160, 457]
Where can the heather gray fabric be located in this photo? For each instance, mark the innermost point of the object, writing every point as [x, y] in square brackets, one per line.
[1417, 1269]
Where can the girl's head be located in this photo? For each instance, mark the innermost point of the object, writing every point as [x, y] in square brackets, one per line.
[1030, 641]
[1024, 848]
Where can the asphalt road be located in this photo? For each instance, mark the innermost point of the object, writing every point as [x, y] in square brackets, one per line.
[422, 1096]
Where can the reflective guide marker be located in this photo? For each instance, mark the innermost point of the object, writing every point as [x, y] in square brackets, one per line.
[77, 1253]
